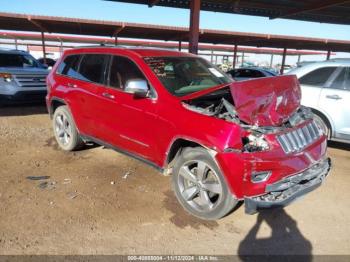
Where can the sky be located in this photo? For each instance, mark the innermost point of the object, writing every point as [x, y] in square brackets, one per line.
[114, 11]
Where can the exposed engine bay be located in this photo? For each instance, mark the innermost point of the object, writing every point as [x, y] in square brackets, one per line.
[220, 104]
[217, 104]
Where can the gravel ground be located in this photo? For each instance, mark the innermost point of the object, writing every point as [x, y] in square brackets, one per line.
[97, 201]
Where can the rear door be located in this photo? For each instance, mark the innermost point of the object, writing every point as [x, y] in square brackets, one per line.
[127, 122]
[335, 101]
[67, 82]
[92, 77]
[83, 85]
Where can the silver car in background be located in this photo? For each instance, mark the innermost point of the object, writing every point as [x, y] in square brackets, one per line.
[22, 77]
[326, 90]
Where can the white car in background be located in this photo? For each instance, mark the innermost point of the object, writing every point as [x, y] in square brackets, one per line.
[326, 90]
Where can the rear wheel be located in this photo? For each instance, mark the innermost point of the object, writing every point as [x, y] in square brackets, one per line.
[66, 133]
[200, 186]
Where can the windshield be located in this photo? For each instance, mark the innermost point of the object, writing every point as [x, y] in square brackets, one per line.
[18, 60]
[185, 75]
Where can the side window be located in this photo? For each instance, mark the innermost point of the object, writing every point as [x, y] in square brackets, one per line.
[244, 73]
[232, 73]
[238, 73]
[69, 66]
[317, 77]
[93, 67]
[256, 73]
[122, 70]
[342, 81]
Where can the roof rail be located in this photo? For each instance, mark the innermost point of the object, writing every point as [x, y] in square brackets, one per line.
[339, 59]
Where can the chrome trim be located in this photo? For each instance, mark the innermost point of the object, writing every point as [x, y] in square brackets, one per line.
[297, 140]
[30, 80]
[134, 140]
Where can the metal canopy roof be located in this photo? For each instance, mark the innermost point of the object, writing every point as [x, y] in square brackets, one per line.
[21, 22]
[325, 11]
[99, 40]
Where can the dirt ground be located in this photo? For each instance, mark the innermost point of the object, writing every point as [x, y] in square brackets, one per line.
[97, 201]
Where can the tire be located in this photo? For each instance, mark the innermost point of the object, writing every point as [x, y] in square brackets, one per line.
[65, 130]
[200, 186]
[323, 122]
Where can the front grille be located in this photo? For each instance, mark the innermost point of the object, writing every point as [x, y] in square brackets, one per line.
[299, 139]
[31, 80]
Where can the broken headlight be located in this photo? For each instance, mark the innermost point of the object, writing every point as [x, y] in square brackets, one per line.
[255, 142]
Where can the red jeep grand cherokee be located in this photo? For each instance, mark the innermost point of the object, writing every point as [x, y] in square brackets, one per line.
[222, 141]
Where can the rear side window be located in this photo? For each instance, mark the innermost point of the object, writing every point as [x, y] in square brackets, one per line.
[69, 66]
[342, 81]
[93, 68]
[122, 70]
[317, 77]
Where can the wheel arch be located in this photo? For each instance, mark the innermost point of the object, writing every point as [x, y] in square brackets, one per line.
[177, 145]
[324, 117]
[55, 103]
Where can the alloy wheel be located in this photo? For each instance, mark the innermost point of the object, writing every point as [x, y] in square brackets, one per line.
[63, 129]
[199, 185]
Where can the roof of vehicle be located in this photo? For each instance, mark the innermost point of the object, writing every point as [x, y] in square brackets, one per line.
[144, 52]
[308, 67]
[12, 51]
[140, 51]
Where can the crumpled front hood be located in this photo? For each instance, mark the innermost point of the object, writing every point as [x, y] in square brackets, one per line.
[266, 101]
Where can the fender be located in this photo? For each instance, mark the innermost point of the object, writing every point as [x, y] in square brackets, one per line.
[190, 140]
[50, 104]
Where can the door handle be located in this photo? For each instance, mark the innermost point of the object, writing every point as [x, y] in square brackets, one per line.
[335, 97]
[72, 85]
[108, 95]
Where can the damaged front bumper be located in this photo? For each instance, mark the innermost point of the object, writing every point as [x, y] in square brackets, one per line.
[285, 191]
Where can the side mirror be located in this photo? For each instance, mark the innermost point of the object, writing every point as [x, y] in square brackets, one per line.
[138, 87]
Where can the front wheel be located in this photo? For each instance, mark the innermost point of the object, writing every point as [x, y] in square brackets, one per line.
[200, 186]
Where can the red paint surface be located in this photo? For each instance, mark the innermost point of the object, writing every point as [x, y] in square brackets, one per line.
[267, 101]
[148, 127]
